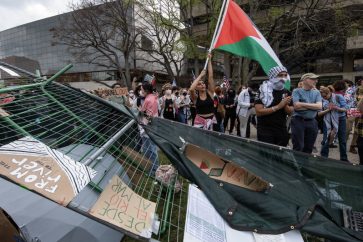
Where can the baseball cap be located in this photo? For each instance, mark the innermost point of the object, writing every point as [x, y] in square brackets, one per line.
[309, 76]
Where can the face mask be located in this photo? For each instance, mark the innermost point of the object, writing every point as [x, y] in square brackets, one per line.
[168, 92]
[278, 83]
[141, 93]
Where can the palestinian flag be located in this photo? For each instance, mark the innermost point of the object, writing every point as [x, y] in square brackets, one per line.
[238, 35]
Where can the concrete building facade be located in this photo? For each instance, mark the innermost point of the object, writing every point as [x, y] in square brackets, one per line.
[330, 66]
[32, 47]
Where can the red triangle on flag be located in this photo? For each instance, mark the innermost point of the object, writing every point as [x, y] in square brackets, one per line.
[235, 27]
[203, 165]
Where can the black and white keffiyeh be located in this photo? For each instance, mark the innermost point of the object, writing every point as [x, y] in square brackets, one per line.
[266, 87]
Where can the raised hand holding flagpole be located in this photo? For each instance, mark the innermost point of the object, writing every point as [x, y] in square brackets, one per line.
[222, 14]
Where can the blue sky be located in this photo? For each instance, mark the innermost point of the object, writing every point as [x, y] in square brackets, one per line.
[18, 12]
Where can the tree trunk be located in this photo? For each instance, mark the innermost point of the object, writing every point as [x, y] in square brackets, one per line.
[245, 71]
[227, 65]
[127, 69]
[236, 73]
[169, 70]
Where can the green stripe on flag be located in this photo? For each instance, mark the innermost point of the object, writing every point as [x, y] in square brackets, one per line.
[288, 85]
[248, 47]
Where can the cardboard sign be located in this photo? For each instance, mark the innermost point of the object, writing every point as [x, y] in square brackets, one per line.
[144, 163]
[9, 231]
[217, 168]
[122, 207]
[119, 91]
[35, 166]
[41, 174]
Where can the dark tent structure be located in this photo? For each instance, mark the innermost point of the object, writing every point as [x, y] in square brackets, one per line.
[313, 194]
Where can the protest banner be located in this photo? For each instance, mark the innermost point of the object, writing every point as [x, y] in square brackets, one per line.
[119, 91]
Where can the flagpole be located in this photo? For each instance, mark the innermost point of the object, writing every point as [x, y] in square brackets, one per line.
[217, 29]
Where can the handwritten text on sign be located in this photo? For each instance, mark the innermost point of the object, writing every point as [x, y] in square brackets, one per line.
[119, 91]
[41, 174]
[121, 206]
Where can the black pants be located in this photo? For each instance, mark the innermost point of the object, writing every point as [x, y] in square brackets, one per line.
[230, 116]
[238, 127]
[193, 113]
[218, 126]
[360, 149]
[248, 127]
[303, 133]
[276, 137]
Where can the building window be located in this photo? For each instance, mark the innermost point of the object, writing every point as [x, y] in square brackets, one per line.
[328, 80]
[358, 65]
[329, 65]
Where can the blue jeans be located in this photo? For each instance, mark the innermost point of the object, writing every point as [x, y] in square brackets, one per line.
[303, 133]
[342, 141]
[150, 151]
[325, 135]
[182, 116]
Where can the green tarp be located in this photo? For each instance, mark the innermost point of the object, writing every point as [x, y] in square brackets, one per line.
[308, 192]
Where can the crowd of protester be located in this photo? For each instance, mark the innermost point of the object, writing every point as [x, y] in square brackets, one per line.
[280, 116]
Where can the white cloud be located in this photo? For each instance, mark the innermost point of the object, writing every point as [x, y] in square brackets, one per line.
[14, 13]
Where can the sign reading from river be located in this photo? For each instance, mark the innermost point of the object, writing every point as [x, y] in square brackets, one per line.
[121, 206]
[39, 168]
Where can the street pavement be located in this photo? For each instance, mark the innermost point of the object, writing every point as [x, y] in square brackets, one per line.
[333, 152]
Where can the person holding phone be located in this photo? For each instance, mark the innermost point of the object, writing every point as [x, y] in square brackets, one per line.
[273, 105]
[334, 105]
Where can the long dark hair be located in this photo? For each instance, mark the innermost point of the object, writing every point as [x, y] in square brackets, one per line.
[147, 87]
[137, 90]
[230, 96]
[339, 86]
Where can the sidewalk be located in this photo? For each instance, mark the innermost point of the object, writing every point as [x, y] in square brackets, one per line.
[333, 152]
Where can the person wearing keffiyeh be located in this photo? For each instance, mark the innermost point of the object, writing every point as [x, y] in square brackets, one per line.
[272, 106]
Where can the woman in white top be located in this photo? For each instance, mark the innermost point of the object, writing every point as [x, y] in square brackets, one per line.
[243, 110]
[183, 102]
